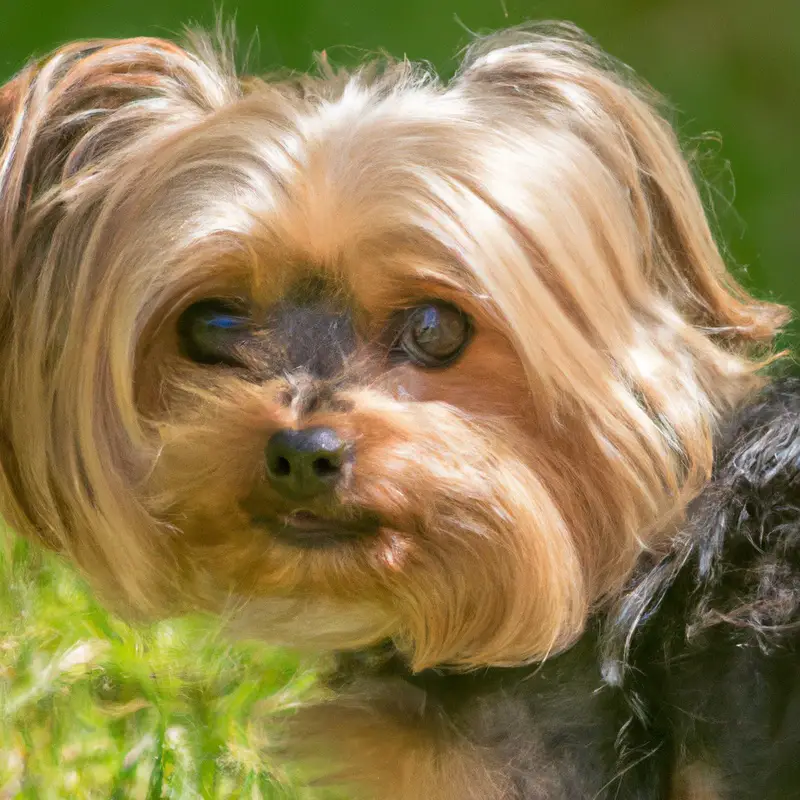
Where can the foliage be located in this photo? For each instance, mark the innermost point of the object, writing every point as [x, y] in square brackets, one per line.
[93, 708]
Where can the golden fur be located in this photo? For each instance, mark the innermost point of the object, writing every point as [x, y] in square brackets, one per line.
[697, 782]
[378, 742]
[539, 189]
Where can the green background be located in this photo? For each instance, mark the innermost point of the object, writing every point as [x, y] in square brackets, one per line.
[729, 67]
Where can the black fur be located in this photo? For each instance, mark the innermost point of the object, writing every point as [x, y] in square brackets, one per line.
[697, 662]
[318, 338]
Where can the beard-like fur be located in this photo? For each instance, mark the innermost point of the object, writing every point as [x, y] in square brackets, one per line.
[538, 190]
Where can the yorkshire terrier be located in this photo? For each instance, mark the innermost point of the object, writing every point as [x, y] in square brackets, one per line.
[449, 378]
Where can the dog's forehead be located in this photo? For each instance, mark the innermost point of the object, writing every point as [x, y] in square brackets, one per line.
[362, 271]
[357, 199]
[363, 282]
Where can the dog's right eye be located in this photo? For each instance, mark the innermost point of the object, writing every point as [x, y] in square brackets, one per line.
[214, 332]
[432, 335]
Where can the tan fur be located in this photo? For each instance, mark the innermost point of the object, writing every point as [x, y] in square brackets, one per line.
[390, 748]
[539, 190]
[697, 781]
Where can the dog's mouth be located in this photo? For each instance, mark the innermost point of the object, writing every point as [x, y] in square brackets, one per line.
[304, 528]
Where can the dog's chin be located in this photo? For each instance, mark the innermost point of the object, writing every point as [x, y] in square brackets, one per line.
[313, 624]
[301, 617]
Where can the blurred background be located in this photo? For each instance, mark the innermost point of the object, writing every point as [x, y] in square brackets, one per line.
[730, 68]
[92, 708]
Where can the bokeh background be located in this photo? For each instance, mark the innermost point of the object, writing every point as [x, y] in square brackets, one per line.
[729, 67]
[93, 708]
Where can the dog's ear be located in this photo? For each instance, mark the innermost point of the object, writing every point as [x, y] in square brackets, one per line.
[90, 102]
[557, 80]
[70, 124]
[8, 101]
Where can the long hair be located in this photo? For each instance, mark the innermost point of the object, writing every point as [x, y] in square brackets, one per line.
[559, 206]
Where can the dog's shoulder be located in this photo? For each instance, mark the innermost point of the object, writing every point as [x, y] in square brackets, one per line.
[739, 557]
[744, 528]
[705, 643]
[736, 562]
[757, 467]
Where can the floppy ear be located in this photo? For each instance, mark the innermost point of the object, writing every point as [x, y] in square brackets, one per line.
[69, 125]
[91, 101]
[559, 78]
[8, 98]
[617, 298]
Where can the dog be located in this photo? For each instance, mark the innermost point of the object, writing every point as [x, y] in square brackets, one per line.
[448, 378]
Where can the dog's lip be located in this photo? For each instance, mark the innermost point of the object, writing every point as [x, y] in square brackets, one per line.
[305, 520]
[305, 528]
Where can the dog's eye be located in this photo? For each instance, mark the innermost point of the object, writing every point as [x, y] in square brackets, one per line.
[433, 335]
[213, 332]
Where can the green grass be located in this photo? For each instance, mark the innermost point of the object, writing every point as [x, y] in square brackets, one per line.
[93, 708]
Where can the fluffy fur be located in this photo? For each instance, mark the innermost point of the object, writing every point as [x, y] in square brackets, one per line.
[515, 493]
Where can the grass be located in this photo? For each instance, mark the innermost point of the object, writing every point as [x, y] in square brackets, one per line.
[93, 708]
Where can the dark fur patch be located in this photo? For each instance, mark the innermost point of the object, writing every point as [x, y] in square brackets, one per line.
[317, 338]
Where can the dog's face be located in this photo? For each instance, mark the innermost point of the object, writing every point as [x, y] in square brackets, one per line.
[355, 358]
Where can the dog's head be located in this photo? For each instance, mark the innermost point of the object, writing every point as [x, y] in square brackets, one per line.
[364, 356]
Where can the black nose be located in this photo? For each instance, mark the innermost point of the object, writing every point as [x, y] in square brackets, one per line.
[303, 464]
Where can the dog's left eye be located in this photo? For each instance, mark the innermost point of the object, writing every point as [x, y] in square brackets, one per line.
[433, 335]
[213, 332]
